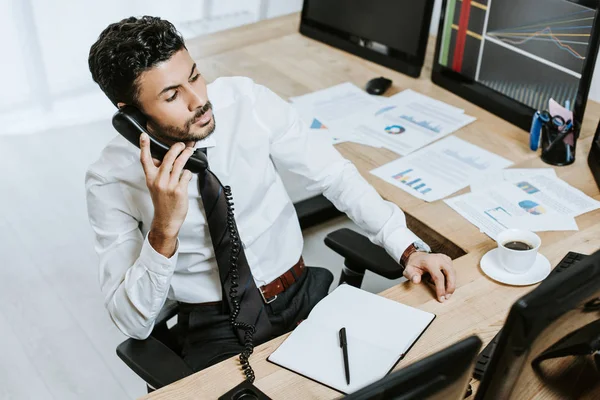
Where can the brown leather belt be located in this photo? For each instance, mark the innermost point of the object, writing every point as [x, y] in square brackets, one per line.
[270, 291]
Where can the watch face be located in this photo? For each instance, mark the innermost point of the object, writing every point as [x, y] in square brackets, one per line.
[421, 247]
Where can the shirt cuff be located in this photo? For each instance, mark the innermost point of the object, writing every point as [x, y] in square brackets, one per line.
[156, 262]
[398, 242]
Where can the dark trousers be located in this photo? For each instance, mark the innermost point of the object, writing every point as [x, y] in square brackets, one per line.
[206, 333]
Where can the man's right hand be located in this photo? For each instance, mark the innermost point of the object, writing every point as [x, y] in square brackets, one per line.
[168, 183]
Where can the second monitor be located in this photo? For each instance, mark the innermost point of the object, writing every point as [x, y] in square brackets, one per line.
[392, 33]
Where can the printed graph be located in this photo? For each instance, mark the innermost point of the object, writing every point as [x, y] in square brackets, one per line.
[316, 124]
[527, 187]
[422, 123]
[532, 207]
[417, 184]
[498, 214]
[395, 129]
[468, 160]
[384, 110]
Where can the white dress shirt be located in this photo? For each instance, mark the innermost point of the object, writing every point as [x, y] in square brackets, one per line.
[254, 127]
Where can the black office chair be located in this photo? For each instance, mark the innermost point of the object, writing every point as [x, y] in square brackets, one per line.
[157, 359]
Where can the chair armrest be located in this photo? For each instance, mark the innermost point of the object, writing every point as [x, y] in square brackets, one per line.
[315, 210]
[361, 254]
[152, 361]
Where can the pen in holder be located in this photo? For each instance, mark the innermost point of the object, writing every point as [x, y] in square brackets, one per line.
[558, 143]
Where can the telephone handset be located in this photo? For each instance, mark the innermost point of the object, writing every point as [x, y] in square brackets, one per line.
[130, 122]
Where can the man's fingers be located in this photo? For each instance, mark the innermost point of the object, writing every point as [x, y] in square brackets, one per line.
[179, 164]
[167, 163]
[413, 274]
[450, 274]
[440, 287]
[145, 157]
[156, 162]
[186, 177]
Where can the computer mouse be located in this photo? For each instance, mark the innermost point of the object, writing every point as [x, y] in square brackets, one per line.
[378, 86]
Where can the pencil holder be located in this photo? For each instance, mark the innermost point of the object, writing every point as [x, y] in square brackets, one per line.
[558, 148]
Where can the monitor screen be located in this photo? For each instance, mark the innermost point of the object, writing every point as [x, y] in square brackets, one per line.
[392, 33]
[392, 23]
[527, 51]
[444, 375]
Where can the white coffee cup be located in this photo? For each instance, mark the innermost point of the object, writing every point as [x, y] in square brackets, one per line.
[517, 261]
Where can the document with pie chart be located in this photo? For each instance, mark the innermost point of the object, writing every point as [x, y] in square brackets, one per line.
[505, 206]
[407, 122]
[535, 202]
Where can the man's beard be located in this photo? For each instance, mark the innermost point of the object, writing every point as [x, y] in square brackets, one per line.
[177, 134]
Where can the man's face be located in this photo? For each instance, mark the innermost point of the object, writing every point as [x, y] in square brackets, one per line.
[173, 96]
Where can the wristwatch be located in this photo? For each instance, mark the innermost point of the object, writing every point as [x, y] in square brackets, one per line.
[413, 248]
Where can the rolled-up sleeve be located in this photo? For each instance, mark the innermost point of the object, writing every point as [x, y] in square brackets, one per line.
[134, 278]
[304, 153]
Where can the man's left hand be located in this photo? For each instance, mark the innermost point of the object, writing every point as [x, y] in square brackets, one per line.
[438, 266]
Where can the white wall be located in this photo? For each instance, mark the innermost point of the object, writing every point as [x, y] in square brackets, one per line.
[594, 90]
[45, 77]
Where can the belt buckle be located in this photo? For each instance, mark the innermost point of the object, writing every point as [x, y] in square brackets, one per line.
[265, 299]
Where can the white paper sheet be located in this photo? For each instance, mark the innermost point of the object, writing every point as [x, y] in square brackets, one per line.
[410, 96]
[509, 175]
[332, 105]
[557, 195]
[406, 125]
[325, 111]
[507, 205]
[379, 332]
[440, 169]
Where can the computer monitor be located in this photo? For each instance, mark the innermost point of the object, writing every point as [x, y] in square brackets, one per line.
[443, 375]
[545, 347]
[392, 33]
[511, 56]
[594, 156]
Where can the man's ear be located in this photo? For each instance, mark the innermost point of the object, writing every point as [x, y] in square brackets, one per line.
[121, 104]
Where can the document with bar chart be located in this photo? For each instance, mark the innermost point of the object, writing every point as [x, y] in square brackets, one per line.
[440, 169]
[530, 51]
[407, 123]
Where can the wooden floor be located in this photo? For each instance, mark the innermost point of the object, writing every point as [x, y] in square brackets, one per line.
[56, 338]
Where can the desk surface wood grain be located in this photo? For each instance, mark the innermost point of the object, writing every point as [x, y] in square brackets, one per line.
[274, 54]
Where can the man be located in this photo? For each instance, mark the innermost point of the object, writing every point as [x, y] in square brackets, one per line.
[156, 240]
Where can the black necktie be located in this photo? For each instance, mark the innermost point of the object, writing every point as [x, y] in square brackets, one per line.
[246, 306]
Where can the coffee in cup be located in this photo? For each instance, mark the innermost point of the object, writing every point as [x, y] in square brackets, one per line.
[517, 249]
[518, 245]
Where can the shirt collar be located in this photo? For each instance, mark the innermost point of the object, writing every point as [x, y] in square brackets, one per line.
[206, 142]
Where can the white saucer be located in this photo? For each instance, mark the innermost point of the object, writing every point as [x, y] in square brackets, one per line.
[491, 267]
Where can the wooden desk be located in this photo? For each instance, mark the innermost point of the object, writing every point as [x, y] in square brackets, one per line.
[274, 54]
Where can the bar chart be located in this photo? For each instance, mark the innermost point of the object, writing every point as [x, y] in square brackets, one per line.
[413, 182]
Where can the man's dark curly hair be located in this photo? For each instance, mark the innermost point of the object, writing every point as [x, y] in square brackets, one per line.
[127, 48]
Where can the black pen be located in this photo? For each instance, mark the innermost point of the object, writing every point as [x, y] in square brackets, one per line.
[344, 346]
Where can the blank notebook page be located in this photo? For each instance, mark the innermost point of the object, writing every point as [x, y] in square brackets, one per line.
[379, 332]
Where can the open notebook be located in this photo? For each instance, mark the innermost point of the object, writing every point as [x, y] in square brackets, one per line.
[379, 333]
